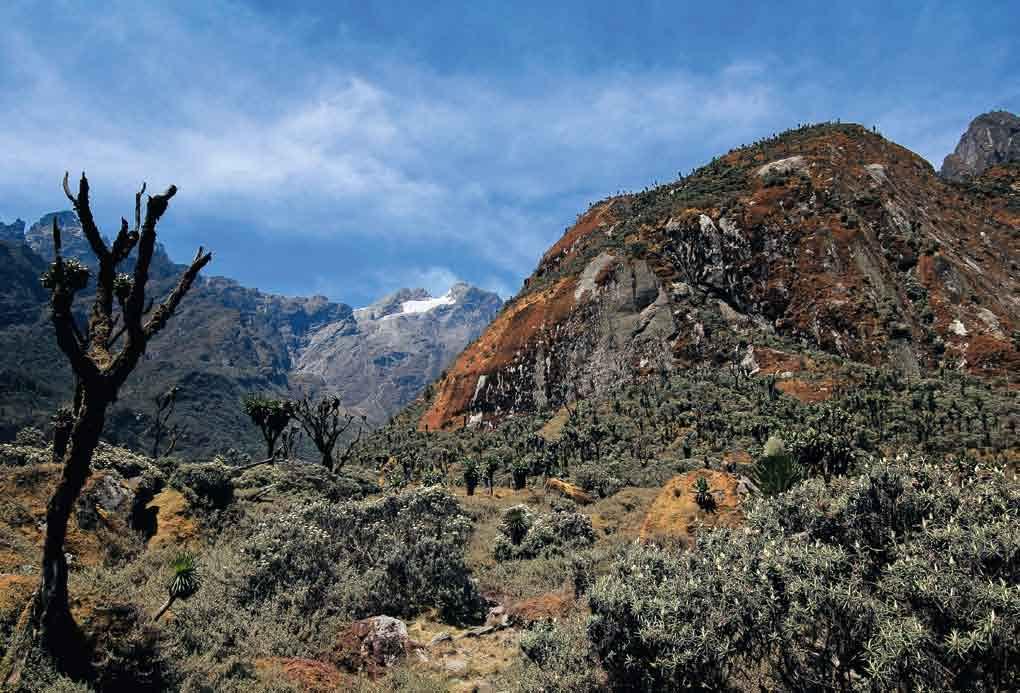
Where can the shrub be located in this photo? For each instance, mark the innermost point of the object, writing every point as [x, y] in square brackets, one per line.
[23, 455]
[525, 535]
[395, 556]
[208, 485]
[559, 659]
[30, 437]
[825, 446]
[893, 580]
[597, 479]
[307, 481]
[127, 463]
[433, 476]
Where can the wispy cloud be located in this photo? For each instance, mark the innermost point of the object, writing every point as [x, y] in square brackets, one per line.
[451, 172]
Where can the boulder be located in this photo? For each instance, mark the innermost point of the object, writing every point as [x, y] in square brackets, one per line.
[568, 490]
[105, 494]
[373, 644]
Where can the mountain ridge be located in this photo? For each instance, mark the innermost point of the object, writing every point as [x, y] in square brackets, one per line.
[227, 340]
[828, 236]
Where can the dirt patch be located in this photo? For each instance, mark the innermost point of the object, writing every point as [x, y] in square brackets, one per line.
[552, 431]
[805, 391]
[551, 606]
[676, 515]
[307, 674]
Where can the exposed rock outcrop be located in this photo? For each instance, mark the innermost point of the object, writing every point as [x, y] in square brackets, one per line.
[992, 138]
[385, 355]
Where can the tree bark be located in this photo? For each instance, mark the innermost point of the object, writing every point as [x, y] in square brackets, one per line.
[50, 625]
[55, 612]
[163, 609]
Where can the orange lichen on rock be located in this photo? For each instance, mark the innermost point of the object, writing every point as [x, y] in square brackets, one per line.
[770, 360]
[991, 356]
[676, 515]
[805, 391]
[174, 523]
[517, 327]
[568, 490]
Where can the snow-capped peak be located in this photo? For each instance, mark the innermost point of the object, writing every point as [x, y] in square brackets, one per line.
[427, 304]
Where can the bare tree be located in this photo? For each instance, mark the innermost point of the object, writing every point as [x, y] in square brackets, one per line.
[100, 371]
[161, 429]
[325, 421]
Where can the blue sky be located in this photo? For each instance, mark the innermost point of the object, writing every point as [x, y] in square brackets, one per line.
[353, 148]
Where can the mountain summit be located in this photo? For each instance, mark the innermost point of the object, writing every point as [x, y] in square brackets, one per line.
[398, 345]
[992, 138]
[827, 239]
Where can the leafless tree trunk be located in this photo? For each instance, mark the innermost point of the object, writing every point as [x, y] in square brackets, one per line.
[161, 429]
[99, 372]
[324, 422]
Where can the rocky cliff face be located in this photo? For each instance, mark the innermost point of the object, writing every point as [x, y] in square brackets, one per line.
[992, 139]
[39, 238]
[12, 232]
[225, 341]
[394, 347]
[826, 238]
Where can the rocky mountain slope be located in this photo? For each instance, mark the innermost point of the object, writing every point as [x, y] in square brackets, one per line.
[227, 340]
[827, 237]
[395, 346]
[992, 138]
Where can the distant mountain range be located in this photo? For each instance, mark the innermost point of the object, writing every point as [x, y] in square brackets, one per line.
[225, 341]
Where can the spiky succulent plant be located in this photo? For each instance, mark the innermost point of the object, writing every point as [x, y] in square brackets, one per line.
[184, 581]
[703, 494]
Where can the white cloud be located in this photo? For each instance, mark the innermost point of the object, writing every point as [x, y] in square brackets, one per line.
[405, 153]
[260, 132]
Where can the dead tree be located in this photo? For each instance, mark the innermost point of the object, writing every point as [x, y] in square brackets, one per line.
[325, 421]
[161, 429]
[100, 371]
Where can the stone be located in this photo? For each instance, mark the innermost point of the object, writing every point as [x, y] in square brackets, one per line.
[440, 638]
[373, 644]
[992, 138]
[455, 665]
[568, 490]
